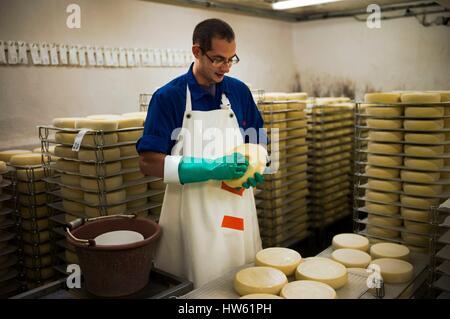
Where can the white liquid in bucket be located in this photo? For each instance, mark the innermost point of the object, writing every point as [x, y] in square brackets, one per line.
[118, 237]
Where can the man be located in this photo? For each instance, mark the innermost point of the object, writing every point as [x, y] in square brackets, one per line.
[208, 228]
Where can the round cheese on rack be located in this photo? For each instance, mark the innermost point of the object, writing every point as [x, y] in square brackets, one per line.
[5, 156]
[132, 176]
[105, 184]
[429, 150]
[136, 190]
[384, 185]
[323, 270]
[67, 166]
[105, 198]
[424, 125]
[382, 232]
[128, 150]
[110, 210]
[394, 271]
[99, 139]
[105, 169]
[382, 97]
[424, 164]
[130, 163]
[36, 250]
[419, 202]
[107, 154]
[422, 190]
[384, 160]
[418, 227]
[382, 172]
[65, 152]
[445, 95]
[384, 124]
[427, 111]
[70, 180]
[72, 207]
[283, 259]
[256, 156]
[384, 148]
[30, 200]
[307, 289]
[30, 174]
[137, 203]
[420, 97]
[261, 296]
[389, 250]
[65, 138]
[259, 280]
[33, 212]
[296, 96]
[35, 187]
[71, 194]
[425, 138]
[101, 124]
[66, 122]
[381, 197]
[129, 121]
[34, 225]
[419, 177]
[414, 239]
[384, 111]
[415, 214]
[28, 159]
[385, 136]
[351, 258]
[383, 221]
[349, 240]
[130, 136]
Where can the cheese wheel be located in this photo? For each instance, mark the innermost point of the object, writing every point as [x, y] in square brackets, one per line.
[384, 111]
[136, 190]
[65, 138]
[2, 167]
[128, 150]
[30, 174]
[382, 172]
[105, 184]
[129, 121]
[107, 154]
[422, 250]
[352, 241]
[130, 163]
[385, 136]
[384, 148]
[99, 139]
[283, 259]
[34, 187]
[142, 115]
[419, 177]
[99, 124]
[36, 199]
[382, 232]
[415, 150]
[65, 152]
[259, 280]
[137, 203]
[256, 156]
[105, 198]
[383, 221]
[67, 166]
[420, 97]
[384, 160]
[394, 271]
[72, 194]
[384, 185]
[260, 296]
[41, 261]
[445, 95]
[70, 180]
[5, 156]
[415, 214]
[40, 273]
[418, 227]
[422, 190]
[130, 136]
[382, 97]
[34, 225]
[425, 138]
[27, 159]
[351, 258]
[35, 250]
[423, 125]
[110, 210]
[132, 176]
[307, 289]
[382, 197]
[33, 212]
[389, 250]
[414, 239]
[427, 111]
[105, 169]
[384, 124]
[323, 270]
[66, 122]
[424, 164]
[72, 207]
[419, 202]
[296, 96]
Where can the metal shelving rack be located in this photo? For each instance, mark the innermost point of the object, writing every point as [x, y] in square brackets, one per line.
[281, 204]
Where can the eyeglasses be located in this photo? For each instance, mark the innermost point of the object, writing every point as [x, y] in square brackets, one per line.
[219, 61]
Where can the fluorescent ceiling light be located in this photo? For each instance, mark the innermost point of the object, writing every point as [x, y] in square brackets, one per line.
[289, 4]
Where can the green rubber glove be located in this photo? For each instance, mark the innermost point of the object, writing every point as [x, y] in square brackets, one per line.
[194, 170]
[253, 181]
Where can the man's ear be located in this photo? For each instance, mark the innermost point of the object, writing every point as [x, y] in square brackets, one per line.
[196, 51]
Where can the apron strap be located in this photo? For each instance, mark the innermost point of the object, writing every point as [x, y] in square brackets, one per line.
[226, 105]
[188, 100]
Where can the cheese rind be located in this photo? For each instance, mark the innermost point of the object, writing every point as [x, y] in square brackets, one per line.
[425, 138]
[389, 250]
[384, 124]
[105, 125]
[66, 122]
[104, 184]
[351, 258]
[349, 240]
[415, 214]
[384, 185]
[259, 280]
[260, 296]
[27, 159]
[381, 136]
[307, 289]
[394, 271]
[323, 270]
[105, 169]
[385, 148]
[384, 160]
[105, 198]
[382, 97]
[383, 221]
[419, 177]
[419, 202]
[107, 154]
[382, 197]
[5, 156]
[382, 232]
[130, 136]
[422, 189]
[429, 150]
[283, 259]
[424, 164]
[420, 97]
[423, 125]
[382, 172]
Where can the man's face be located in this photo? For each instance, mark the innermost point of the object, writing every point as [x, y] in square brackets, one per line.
[220, 48]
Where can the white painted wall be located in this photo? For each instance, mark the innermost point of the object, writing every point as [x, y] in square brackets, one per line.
[402, 55]
[31, 95]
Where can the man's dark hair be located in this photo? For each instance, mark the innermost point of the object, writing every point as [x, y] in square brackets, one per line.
[211, 28]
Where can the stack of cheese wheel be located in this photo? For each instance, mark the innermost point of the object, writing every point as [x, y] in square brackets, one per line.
[158, 188]
[8, 252]
[34, 216]
[330, 131]
[281, 203]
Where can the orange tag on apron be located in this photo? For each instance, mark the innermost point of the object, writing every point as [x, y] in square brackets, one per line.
[233, 222]
[233, 190]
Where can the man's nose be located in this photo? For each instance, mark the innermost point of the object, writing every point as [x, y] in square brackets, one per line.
[226, 67]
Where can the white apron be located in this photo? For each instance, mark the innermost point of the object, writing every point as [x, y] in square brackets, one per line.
[206, 229]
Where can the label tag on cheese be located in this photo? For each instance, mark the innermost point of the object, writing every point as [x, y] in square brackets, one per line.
[79, 139]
